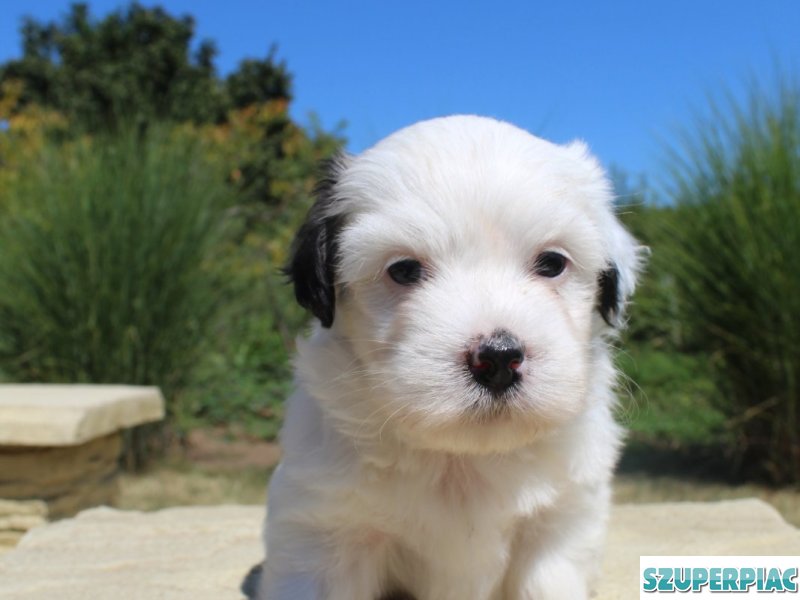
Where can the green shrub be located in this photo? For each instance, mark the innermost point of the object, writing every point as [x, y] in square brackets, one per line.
[245, 375]
[669, 399]
[733, 258]
[103, 261]
[654, 318]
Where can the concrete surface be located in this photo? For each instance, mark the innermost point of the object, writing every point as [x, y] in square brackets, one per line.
[62, 415]
[204, 552]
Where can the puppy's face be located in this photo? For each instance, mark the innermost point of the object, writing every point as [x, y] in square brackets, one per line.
[468, 267]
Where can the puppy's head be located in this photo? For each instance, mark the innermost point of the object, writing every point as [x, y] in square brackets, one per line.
[468, 270]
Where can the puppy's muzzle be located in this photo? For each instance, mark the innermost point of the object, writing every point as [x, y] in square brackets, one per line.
[495, 361]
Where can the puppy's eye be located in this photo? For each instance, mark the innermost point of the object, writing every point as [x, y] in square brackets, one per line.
[406, 272]
[550, 264]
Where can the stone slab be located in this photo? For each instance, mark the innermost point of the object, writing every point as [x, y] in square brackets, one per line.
[67, 479]
[50, 471]
[17, 517]
[26, 508]
[189, 552]
[747, 527]
[204, 552]
[63, 415]
[9, 539]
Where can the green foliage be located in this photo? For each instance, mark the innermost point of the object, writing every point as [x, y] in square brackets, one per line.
[114, 241]
[134, 65]
[257, 81]
[654, 310]
[104, 273]
[669, 399]
[645, 219]
[245, 375]
[732, 258]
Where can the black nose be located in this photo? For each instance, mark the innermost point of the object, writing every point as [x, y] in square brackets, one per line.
[495, 361]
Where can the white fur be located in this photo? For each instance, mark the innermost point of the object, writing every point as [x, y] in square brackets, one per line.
[396, 474]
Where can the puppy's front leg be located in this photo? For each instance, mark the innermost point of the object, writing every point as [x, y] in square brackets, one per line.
[286, 586]
[324, 570]
[309, 586]
[557, 554]
[551, 578]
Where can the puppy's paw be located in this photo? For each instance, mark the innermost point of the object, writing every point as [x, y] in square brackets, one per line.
[554, 579]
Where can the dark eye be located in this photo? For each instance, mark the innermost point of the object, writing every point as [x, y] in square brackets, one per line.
[406, 272]
[550, 264]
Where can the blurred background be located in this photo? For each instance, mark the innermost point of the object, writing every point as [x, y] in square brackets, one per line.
[156, 158]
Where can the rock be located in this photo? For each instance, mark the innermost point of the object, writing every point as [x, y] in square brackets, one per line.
[61, 415]
[9, 539]
[22, 507]
[205, 552]
[194, 552]
[101, 493]
[48, 472]
[67, 478]
[746, 527]
[20, 522]
[61, 443]
[17, 517]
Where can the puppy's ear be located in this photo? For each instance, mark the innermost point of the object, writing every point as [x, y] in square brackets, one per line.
[312, 265]
[609, 302]
[623, 254]
[618, 280]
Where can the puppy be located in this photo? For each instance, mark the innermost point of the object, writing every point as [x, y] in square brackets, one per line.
[451, 436]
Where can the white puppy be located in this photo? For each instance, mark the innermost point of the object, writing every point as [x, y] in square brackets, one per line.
[452, 436]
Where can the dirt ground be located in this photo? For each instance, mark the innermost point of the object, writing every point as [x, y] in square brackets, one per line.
[209, 467]
[219, 449]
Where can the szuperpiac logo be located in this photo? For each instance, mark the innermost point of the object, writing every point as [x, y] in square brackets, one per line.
[699, 576]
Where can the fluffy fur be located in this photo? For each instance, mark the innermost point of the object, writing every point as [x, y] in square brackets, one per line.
[400, 472]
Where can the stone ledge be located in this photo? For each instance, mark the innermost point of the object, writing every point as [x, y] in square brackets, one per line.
[65, 479]
[204, 552]
[65, 415]
[17, 517]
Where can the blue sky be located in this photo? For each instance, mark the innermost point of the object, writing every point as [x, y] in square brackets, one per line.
[621, 75]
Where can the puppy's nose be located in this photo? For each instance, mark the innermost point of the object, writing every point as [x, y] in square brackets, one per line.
[495, 361]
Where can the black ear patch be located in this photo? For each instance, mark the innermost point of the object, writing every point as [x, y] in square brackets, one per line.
[312, 265]
[609, 302]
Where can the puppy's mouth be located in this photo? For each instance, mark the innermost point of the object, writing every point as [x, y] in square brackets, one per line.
[489, 410]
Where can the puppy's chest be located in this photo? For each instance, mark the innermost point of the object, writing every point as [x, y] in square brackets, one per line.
[450, 524]
[471, 488]
[459, 483]
[457, 506]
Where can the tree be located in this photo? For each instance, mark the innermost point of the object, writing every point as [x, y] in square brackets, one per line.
[257, 81]
[135, 64]
[136, 67]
